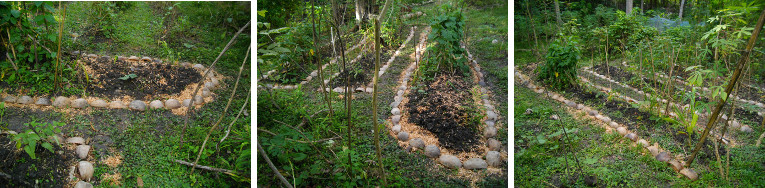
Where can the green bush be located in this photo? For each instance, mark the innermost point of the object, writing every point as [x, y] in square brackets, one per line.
[629, 31]
[446, 54]
[559, 69]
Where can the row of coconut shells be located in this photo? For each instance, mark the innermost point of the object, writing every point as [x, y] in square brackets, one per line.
[733, 122]
[80, 103]
[450, 161]
[656, 151]
[491, 113]
[84, 169]
[313, 74]
[705, 89]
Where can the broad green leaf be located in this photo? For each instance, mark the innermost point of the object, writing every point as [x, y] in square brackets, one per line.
[15, 13]
[47, 146]
[262, 13]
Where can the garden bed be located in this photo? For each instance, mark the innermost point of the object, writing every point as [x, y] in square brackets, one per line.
[113, 80]
[443, 108]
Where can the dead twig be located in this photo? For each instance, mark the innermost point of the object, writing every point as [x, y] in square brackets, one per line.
[199, 85]
[230, 99]
[225, 171]
[271, 165]
[301, 141]
[228, 129]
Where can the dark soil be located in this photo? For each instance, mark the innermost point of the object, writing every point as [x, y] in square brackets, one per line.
[614, 72]
[290, 73]
[441, 109]
[49, 168]
[360, 73]
[619, 74]
[152, 79]
[632, 117]
[750, 93]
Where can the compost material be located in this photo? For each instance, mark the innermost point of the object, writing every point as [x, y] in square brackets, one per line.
[441, 109]
[114, 79]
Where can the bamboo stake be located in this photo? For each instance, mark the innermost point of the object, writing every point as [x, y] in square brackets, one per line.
[729, 88]
[374, 102]
[58, 54]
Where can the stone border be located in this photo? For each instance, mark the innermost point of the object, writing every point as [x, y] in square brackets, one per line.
[735, 123]
[137, 105]
[656, 151]
[368, 87]
[705, 89]
[432, 151]
[314, 73]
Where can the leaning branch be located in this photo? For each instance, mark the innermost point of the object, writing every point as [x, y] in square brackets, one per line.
[271, 165]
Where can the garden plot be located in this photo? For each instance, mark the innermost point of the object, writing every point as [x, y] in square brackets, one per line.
[675, 161]
[314, 73]
[359, 77]
[746, 114]
[749, 94]
[126, 82]
[434, 119]
[621, 89]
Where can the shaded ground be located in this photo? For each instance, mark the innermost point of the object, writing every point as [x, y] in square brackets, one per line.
[110, 79]
[441, 108]
[48, 170]
[360, 73]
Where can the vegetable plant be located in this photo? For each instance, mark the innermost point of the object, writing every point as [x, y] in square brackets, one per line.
[39, 133]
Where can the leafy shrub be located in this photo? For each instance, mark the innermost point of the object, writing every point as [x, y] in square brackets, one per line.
[559, 70]
[446, 54]
[630, 30]
[39, 133]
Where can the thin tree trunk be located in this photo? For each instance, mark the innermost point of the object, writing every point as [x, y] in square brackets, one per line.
[557, 13]
[680, 16]
[377, 130]
[729, 88]
[671, 87]
[317, 59]
[534, 31]
[628, 8]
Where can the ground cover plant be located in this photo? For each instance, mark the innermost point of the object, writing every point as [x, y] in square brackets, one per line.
[73, 68]
[673, 81]
[326, 133]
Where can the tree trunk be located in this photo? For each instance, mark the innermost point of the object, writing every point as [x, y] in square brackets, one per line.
[641, 6]
[361, 10]
[680, 16]
[628, 9]
[557, 13]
